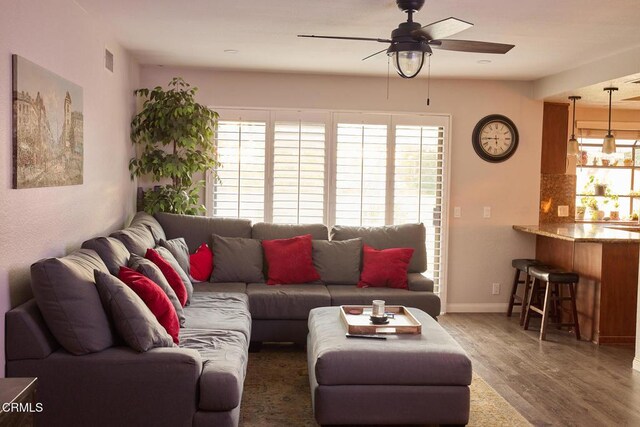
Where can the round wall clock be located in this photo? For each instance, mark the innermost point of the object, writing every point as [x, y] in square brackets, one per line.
[495, 138]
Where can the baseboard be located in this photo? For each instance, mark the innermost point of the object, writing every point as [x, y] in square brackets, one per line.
[636, 363]
[494, 307]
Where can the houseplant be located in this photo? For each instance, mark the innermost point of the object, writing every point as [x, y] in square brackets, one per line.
[175, 136]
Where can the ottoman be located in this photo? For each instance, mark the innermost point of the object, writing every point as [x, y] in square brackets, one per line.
[405, 379]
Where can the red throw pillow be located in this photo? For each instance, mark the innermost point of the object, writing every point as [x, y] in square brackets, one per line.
[290, 260]
[170, 274]
[385, 268]
[154, 298]
[201, 263]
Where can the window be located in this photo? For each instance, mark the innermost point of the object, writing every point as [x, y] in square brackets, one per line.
[239, 192]
[334, 168]
[361, 174]
[298, 172]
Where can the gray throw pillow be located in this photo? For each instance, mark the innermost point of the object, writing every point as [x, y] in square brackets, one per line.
[150, 270]
[133, 320]
[180, 251]
[338, 262]
[64, 289]
[141, 217]
[112, 251]
[137, 238]
[168, 256]
[236, 259]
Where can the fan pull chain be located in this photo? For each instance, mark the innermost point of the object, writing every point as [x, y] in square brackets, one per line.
[428, 80]
[388, 68]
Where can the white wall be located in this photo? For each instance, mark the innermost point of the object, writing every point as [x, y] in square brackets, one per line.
[480, 250]
[44, 222]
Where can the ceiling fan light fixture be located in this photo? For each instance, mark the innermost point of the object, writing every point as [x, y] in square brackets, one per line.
[408, 63]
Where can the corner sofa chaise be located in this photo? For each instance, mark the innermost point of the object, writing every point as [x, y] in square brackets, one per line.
[88, 376]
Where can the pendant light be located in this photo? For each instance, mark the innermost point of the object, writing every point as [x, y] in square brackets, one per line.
[609, 143]
[572, 144]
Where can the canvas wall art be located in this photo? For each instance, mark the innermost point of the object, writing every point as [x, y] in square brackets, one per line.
[47, 128]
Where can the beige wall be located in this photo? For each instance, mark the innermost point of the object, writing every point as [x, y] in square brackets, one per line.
[480, 250]
[44, 222]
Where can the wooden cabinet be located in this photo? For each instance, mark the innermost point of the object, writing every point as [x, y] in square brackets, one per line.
[555, 131]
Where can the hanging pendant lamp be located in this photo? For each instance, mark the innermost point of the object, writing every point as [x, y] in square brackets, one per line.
[609, 143]
[572, 144]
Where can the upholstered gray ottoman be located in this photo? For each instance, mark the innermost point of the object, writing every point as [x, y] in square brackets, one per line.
[405, 379]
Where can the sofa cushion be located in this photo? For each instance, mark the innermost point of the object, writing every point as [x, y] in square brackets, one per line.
[236, 259]
[338, 262]
[385, 268]
[64, 289]
[149, 221]
[345, 295]
[152, 271]
[219, 310]
[168, 256]
[285, 301]
[169, 272]
[113, 252]
[197, 230]
[390, 236]
[154, 298]
[201, 263]
[225, 287]
[179, 250]
[133, 320]
[290, 260]
[137, 239]
[224, 356]
[269, 231]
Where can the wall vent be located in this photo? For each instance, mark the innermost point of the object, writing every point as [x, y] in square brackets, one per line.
[108, 60]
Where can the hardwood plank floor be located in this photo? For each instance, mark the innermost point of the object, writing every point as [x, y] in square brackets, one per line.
[558, 382]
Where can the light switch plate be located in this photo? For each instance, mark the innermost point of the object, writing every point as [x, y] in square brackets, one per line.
[457, 212]
[487, 212]
[563, 210]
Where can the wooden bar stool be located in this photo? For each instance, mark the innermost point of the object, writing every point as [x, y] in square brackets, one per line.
[521, 265]
[553, 279]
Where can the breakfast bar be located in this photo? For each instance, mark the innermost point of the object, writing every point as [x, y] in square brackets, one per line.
[606, 258]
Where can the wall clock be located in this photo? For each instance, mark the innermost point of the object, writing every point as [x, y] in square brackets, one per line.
[495, 138]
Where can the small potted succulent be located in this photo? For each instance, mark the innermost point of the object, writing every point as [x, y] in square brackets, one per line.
[614, 214]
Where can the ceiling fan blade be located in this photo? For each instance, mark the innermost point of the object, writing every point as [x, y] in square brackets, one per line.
[345, 38]
[472, 46]
[374, 54]
[441, 29]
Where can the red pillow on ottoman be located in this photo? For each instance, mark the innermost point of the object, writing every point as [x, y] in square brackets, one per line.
[154, 298]
[385, 268]
[170, 274]
[290, 260]
[201, 263]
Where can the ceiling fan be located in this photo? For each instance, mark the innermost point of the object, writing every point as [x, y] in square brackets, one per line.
[410, 41]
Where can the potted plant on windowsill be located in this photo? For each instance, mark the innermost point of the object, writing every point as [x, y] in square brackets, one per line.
[614, 214]
[175, 138]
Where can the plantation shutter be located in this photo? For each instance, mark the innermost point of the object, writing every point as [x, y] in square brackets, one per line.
[299, 172]
[418, 185]
[240, 191]
[361, 168]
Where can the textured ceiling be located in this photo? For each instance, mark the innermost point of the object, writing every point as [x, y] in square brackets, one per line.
[550, 35]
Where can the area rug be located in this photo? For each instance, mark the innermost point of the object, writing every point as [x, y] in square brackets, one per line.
[276, 393]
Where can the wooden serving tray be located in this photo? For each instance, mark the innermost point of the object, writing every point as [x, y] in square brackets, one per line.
[402, 323]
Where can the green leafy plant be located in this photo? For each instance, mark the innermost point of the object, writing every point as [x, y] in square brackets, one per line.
[175, 136]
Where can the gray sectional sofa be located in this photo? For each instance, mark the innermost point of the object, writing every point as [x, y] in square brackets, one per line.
[201, 381]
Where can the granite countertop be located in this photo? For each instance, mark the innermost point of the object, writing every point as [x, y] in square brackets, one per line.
[601, 233]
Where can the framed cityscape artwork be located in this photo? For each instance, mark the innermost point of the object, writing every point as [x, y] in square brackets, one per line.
[47, 128]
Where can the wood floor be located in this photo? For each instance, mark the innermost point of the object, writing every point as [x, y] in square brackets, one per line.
[559, 382]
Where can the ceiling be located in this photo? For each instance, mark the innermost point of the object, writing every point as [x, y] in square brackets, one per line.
[550, 35]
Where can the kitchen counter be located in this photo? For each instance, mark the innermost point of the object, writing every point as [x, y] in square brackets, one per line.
[606, 256]
[596, 233]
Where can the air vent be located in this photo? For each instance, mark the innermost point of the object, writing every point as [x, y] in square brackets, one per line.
[108, 60]
[635, 98]
[635, 81]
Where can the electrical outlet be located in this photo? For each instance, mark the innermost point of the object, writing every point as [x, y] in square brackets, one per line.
[563, 210]
[496, 289]
[486, 213]
[457, 212]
